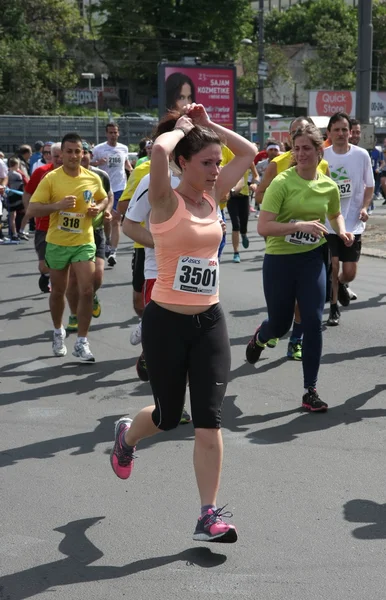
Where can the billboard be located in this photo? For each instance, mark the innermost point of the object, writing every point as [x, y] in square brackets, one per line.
[325, 103]
[210, 85]
[80, 96]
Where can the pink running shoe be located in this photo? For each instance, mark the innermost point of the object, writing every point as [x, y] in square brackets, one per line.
[211, 528]
[121, 459]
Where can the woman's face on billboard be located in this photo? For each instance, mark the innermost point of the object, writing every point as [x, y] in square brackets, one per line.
[185, 96]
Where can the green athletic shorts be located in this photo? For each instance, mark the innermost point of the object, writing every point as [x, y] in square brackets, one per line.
[58, 257]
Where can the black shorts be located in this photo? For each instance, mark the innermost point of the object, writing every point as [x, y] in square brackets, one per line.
[344, 253]
[100, 242]
[138, 269]
[17, 208]
[40, 244]
[238, 209]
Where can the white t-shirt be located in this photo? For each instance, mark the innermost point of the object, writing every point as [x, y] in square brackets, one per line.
[115, 166]
[37, 164]
[139, 211]
[352, 172]
[261, 166]
[3, 169]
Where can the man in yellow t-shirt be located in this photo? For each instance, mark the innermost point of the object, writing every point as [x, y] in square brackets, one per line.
[73, 197]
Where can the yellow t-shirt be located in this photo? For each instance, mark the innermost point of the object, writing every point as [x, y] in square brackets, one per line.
[132, 184]
[283, 162]
[227, 156]
[134, 179]
[70, 227]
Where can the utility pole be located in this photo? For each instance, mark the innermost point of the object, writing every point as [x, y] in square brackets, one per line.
[261, 77]
[364, 64]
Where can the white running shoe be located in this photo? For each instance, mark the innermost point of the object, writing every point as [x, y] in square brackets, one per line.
[58, 345]
[82, 351]
[136, 335]
[352, 294]
[112, 259]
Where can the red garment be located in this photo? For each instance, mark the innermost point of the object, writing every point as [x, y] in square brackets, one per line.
[41, 223]
[260, 156]
[147, 290]
[25, 180]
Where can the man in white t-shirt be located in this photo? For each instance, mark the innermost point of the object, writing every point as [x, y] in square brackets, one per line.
[113, 158]
[350, 168]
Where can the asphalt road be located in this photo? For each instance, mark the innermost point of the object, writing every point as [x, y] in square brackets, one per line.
[307, 491]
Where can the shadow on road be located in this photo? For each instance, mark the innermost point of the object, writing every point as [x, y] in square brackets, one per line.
[366, 511]
[72, 385]
[82, 443]
[354, 354]
[343, 414]
[80, 553]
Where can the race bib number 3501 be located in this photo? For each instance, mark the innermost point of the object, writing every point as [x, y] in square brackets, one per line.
[196, 275]
[71, 222]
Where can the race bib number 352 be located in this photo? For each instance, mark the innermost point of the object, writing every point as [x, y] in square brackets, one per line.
[344, 189]
[196, 275]
[71, 222]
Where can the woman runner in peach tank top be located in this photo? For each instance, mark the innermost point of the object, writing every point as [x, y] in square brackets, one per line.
[184, 332]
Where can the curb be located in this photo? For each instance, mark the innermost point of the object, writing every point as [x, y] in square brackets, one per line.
[374, 252]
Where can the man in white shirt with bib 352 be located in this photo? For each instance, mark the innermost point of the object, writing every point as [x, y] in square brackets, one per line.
[350, 168]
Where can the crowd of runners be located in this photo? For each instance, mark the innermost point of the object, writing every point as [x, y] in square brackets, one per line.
[313, 201]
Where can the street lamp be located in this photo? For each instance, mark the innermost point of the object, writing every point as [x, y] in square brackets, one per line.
[261, 76]
[91, 76]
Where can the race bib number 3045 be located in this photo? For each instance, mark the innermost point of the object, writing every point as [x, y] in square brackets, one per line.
[299, 238]
[196, 275]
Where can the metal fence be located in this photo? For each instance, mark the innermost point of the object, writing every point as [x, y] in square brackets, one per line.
[24, 129]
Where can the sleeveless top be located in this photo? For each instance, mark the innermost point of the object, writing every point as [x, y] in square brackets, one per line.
[186, 250]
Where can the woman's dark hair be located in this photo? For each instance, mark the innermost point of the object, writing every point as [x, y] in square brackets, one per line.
[196, 140]
[142, 147]
[173, 86]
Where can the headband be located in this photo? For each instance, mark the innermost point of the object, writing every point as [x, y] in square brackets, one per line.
[275, 146]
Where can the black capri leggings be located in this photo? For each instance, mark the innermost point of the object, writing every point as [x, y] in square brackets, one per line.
[176, 346]
[238, 209]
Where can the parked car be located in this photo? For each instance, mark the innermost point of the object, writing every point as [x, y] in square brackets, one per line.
[134, 116]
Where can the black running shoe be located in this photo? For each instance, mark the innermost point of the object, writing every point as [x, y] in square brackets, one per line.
[333, 317]
[343, 294]
[312, 402]
[254, 349]
[44, 284]
[142, 368]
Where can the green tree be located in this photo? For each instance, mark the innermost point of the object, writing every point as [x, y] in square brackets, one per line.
[38, 43]
[379, 45]
[277, 69]
[134, 37]
[330, 27]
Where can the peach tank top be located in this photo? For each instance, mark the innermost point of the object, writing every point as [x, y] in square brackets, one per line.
[186, 250]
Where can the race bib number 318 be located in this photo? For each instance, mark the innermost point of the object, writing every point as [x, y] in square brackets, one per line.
[196, 275]
[71, 222]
